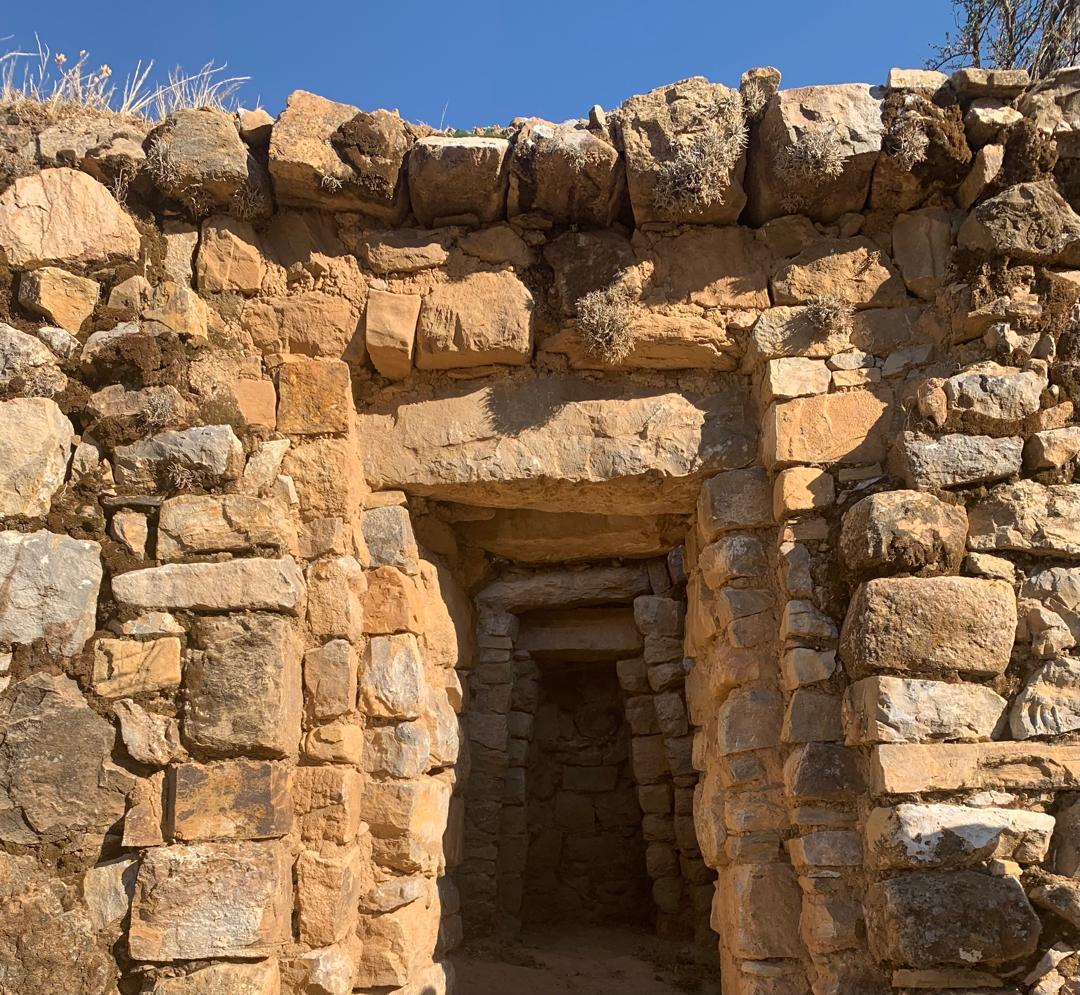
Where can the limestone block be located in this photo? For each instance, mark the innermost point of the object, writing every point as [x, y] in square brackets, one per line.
[800, 489]
[904, 710]
[50, 590]
[625, 449]
[28, 364]
[243, 688]
[229, 258]
[984, 170]
[63, 217]
[400, 948]
[332, 156]
[210, 900]
[664, 133]
[234, 799]
[735, 500]
[55, 764]
[335, 607]
[1053, 449]
[388, 533]
[107, 891]
[340, 742]
[60, 297]
[407, 821]
[922, 919]
[912, 768]
[231, 585]
[713, 267]
[822, 772]
[482, 319]
[210, 455]
[750, 719]
[994, 399]
[759, 905]
[566, 173]
[1027, 517]
[330, 682]
[390, 332]
[928, 836]
[262, 978]
[328, 890]
[124, 667]
[1048, 705]
[793, 376]
[314, 397]
[36, 438]
[327, 476]
[649, 760]
[1028, 222]
[149, 738]
[781, 180]
[957, 460]
[929, 626]
[812, 716]
[922, 243]
[392, 678]
[853, 270]
[145, 816]
[802, 665]
[903, 532]
[847, 427]
[313, 323]
[327, 803]
[456, 181]
[401, 750]
[233, 523]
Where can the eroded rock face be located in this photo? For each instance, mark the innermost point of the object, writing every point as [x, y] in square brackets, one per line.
[1028, 517]
[56, 774]
[61, 217]
[1030, 222]
[36, 440]
[568, 448]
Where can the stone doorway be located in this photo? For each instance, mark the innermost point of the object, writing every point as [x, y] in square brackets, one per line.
[578, 801]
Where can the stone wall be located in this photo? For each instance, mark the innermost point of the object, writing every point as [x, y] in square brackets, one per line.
[279, 398]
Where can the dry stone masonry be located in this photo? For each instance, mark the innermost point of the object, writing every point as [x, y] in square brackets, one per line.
[669, 517]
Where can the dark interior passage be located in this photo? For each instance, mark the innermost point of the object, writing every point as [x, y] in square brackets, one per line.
[586, 856]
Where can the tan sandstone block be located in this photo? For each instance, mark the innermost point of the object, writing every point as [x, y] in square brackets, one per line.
[800, 489]
[330, 680]
[328, 890]
[209, 900]
[392, 603]
[235, 799]
[314, 397]
[848, 427]
[327, 801]
[61, 297]
[391, 332]
[853, 270]
[223, 979]
[229, 259]
[407, 819]
[124, 667]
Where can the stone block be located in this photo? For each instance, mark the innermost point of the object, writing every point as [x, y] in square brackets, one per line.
[328, 890]
[124, 667]
[847, 427]
[759, 906]
[232, 523]
[956, 460]
[749, 719]
[390, 332]
[234, 799]
[735, 500]
[314, 397]
[229, 258]
[60, 297]
[929, 626]
[392, 680]
[800, 489]
[401, 749]
[1027, 517]
[330, 681]
[822, 772]
[458, 181]
[335, 598]
[388, 534]
[793, 376]
[243, 686]
[209, 455]
[212, 900]
[36, 438]
[407, 821]
[327, 803]
[853, 270]
[262, 978]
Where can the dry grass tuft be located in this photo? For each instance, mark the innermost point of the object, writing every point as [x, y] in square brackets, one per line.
[605, 318]
[59, 85]
[700, 174]
[827, 312]
[816, 155]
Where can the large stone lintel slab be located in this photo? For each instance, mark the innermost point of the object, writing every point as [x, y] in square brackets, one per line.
[908, 768]
[561, 443]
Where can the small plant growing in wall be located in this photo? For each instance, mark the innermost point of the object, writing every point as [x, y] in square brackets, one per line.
[816, 155]
[699, 175]
[605, 319]
[829, 313]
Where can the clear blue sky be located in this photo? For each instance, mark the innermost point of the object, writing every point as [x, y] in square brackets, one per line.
[486, 62]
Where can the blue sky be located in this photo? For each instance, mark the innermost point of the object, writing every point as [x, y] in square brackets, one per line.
[479, 62]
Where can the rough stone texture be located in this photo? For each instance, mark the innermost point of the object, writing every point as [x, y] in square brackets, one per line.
[1048, 705]
[1029, 518]
[713, 267]
[206, 455]
[926, 836]
[56, 772]
[50, 589]
[903, 532]
[36, 439]
[854, 271]
[929, 626]
[58, 296]
[391, 332]
[211, 900]
[1029, 222]
[899, 710]
[61, 217]
[850, 115]
[223, 979]
[848, 427]
[233, 585]
[483, 319]
[957, 460]
[125, 667]
[234, 523]
[244, 688]
[924, 919]
[595, 450]
[658, 127]
[454, 181]
[235, 799]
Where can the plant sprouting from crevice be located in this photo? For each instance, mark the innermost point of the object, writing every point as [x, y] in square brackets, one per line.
[605, 318]
[827, 312]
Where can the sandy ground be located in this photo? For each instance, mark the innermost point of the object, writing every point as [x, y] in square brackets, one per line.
[581, 960]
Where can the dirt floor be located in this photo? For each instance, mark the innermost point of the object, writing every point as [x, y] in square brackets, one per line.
[582, 960]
